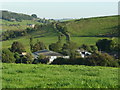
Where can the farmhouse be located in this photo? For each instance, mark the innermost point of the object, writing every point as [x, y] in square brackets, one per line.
[51, 55]
[31, 25]
[83, 53]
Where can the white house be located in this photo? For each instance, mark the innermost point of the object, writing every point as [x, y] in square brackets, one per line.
[83, 53]
[51, 55]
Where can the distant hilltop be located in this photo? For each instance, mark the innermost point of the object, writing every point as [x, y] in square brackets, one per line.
[12, 16]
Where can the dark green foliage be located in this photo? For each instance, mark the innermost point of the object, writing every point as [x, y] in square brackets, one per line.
[105, 45]
[13, 34]
[39, 46]
[17, 57]
[85, 47]
[63, 30]
[89, 48]
[61, 61]
[7, 56]
[10, 16]
[93, 48]
[31, 43]
[27, 59]
[69, 49]
[17, 47]
[41, 59]
[55, 47]
[101, 59]
[34, 15]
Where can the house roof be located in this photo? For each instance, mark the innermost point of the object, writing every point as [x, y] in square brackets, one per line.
[47, 53]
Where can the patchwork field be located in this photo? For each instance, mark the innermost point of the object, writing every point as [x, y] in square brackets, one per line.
[58, 76]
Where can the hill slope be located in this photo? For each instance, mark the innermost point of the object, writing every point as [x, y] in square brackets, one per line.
[92, 26]
[11, 16]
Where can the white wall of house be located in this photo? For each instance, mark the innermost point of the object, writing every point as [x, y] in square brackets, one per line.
[52, 58]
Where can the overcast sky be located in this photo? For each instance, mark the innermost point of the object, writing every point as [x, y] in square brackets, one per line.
[57, 10]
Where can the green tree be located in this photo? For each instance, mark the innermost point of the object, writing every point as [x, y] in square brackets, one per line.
[31, 43]
[55, 46]
[101, 59]
[69, 49]
[105, 45]
[17, 57]
[17, 47]
[86, 47]
[34, 15]
[39, 46]
[7, 56]
[93, 48]
[28, 59]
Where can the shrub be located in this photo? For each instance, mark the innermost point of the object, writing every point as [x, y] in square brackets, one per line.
[17, 47]
[41, 59]
[7, 56]
[39, 46]
[60, 61]
[101, 59]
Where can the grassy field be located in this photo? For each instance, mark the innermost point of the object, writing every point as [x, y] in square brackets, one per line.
[51, 39]
[58, 76]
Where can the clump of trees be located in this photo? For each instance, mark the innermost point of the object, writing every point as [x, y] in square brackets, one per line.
[55, 47]
[89, 48]
[14, 54]
[41, 59]
[17, 47]
[7, 56]
[96, 59]
[38, 46]
[101, 59]
[105, 45]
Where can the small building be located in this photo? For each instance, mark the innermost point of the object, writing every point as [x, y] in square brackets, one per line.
[51, 55]
[23, 54]
[83, 53]
[31, 25]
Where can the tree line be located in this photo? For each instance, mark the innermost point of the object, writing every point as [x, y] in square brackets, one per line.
[13, 54]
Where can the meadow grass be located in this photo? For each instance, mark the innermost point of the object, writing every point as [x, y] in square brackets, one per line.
[47, 40]
[58, 76]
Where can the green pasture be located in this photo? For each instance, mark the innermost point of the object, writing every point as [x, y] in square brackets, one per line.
[92, 26]
[51, 39]
[58, 76]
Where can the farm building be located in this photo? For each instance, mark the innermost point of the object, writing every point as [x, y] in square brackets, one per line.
[83, 53]
[51, 55]
[31, 25]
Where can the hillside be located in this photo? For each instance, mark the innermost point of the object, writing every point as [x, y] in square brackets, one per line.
[58, 76]
[88, 28]
[97, 26]
[19, 21]
[12, 16]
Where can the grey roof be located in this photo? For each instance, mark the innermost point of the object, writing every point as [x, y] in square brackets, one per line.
[47, 53]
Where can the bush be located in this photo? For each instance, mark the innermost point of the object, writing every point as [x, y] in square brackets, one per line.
[39, 46]
[7, 56]
[17, 47]
[60, 61]
[101, 59]
[41, 59]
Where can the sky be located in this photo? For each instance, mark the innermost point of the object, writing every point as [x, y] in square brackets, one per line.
[58, 10]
